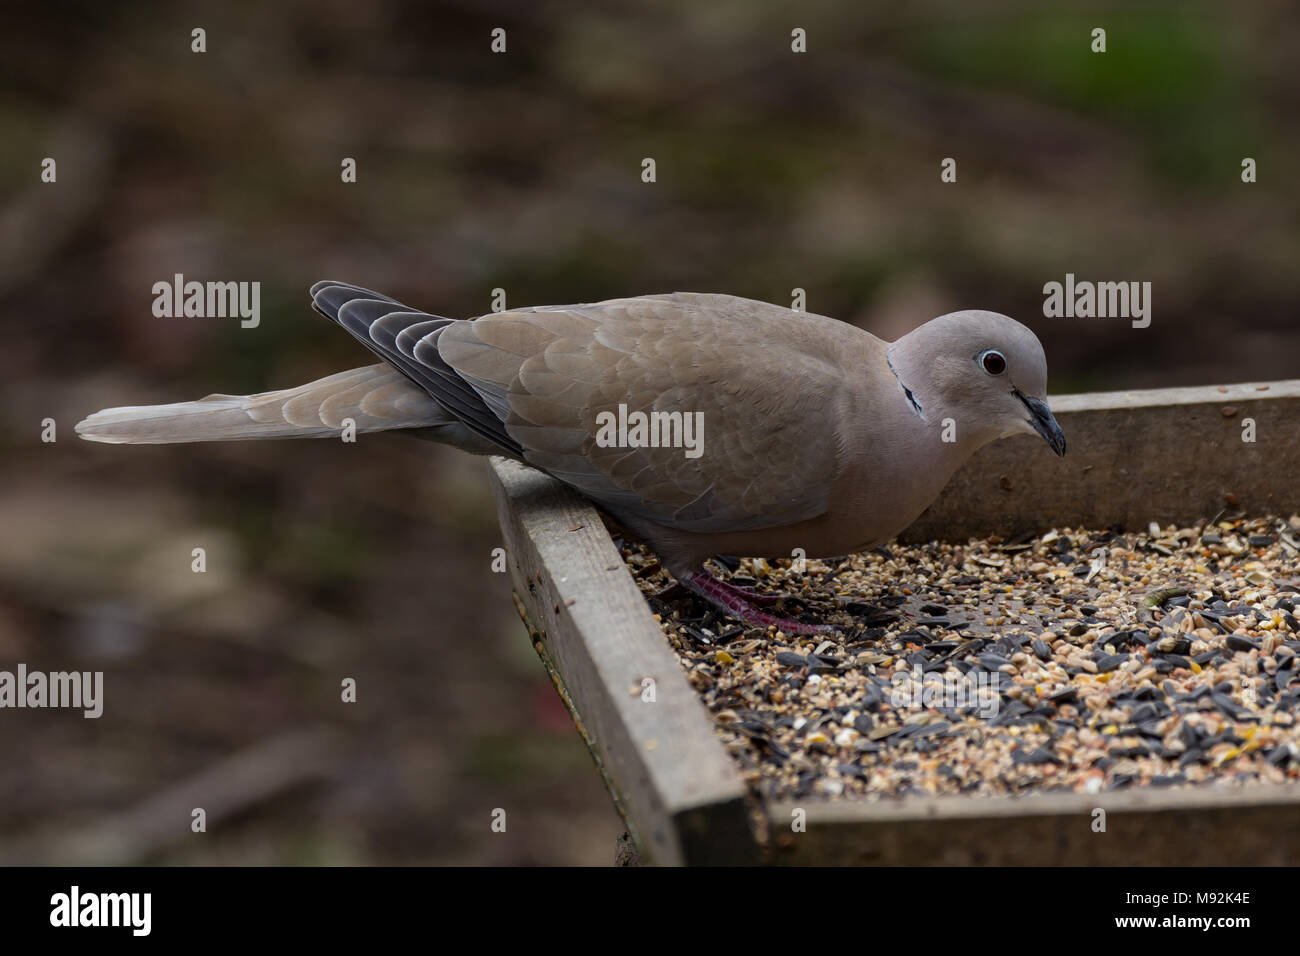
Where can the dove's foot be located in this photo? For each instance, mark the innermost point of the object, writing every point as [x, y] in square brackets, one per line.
[748, 594]
[756, 597]
[739, 603]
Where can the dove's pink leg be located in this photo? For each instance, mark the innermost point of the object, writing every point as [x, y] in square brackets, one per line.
[751, 595]
[739, 605]
[757, 597]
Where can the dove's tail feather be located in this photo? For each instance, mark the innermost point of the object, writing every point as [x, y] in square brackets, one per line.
[375, 398]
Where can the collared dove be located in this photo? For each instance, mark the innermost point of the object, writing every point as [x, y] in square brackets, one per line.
[808, 433]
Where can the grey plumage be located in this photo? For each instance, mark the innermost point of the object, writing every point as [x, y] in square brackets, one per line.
[818, 435]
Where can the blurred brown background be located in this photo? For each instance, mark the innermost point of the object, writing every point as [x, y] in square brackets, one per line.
[775, 170]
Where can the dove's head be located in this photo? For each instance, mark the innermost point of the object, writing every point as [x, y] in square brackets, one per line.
[984, 371]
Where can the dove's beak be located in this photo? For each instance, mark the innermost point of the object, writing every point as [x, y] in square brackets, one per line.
[1040, 417]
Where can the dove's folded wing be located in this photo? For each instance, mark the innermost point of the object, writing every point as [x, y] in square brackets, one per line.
[764, 380]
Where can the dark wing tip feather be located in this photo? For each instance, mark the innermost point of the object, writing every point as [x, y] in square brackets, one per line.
[382, 324]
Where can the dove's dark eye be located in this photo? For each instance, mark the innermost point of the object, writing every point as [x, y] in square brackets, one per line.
[993, 361]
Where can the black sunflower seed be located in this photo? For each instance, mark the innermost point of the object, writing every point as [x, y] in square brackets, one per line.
[1035, 757]
[1108, 662]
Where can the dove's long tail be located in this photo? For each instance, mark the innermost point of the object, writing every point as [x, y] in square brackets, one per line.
[415, 390]
[374, 398]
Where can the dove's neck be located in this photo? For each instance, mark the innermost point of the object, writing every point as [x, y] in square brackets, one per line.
[914, 402]
[918, 366]
[911, 360]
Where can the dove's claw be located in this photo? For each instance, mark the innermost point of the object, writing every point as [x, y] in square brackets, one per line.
[740, 604]
[748, 594]
[759, 598]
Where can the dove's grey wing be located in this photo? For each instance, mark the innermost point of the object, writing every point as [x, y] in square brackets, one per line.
[769, 382]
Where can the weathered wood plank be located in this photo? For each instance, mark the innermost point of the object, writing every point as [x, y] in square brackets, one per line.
[1249, 826]
[679, 792]
[1165, 455]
